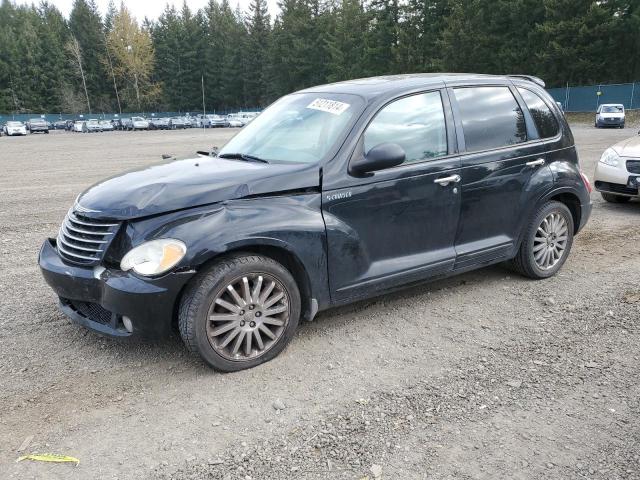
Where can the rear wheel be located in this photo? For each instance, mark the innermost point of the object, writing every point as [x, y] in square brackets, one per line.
[240, 312]
[610, 197]
[547, 242]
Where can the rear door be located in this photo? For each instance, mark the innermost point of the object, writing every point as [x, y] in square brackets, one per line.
[397, 225]
[503, 168]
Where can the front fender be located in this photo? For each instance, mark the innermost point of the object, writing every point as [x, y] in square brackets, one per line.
[290, 223]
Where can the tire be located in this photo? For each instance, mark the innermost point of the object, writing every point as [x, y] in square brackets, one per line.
[200, 300]
[610, 197]
[525, 261]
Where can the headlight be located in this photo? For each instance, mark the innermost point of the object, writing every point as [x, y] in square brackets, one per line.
[155, 257]
[610, 157]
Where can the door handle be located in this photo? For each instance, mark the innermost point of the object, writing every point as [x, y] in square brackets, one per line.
[444, 181]
[535, 163]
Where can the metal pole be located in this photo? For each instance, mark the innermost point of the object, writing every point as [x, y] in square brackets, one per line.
[204, 109]
[633, 87]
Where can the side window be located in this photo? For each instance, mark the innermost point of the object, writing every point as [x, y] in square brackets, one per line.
[416, 123]
[543, 117]
[491, 117]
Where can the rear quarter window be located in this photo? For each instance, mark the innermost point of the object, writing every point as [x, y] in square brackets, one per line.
[543, 117]
[491, 117]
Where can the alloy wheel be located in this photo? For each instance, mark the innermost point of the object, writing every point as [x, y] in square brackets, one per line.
[248, 316]
[550, 241]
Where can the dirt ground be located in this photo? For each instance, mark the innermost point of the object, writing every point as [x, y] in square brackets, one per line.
[482, 376]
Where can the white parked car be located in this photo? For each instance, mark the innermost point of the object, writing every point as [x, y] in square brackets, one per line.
[14, 128]
[78, 126]
[617, 176]
[139, 123]
[610, 115]
[106, 126]
[235, 122]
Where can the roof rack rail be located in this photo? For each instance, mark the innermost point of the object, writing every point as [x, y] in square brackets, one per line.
[531, 78]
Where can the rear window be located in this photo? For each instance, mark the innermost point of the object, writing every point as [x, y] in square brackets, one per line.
[545, 120]
[612, 109]
[491, 117]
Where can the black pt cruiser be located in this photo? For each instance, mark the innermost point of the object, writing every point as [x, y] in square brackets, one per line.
[333, 194]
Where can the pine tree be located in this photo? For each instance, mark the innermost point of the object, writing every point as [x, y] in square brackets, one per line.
[346, 42]
[257, 45]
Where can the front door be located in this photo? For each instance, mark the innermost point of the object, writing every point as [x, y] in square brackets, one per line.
[399, 224]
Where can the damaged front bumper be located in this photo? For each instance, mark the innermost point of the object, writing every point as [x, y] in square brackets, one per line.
[110, 301]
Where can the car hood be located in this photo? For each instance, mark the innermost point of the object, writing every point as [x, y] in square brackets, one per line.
[191, 182]
[629, 147]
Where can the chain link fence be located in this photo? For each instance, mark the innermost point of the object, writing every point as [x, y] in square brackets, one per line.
[587, 98]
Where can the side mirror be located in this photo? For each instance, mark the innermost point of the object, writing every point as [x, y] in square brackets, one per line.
[380, 157]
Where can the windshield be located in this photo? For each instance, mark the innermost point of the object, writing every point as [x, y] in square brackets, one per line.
[137, 119]
[14, 124]
[612, 109]
[300, 127]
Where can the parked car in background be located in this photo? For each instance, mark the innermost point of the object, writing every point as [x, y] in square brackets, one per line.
[60, 125]
[106, 126]
[218, 121]
[126, 124]
[38, 125]
[617, 175]
[490, 161]
[14, 128]
[93, 126]
[79, 126]
[193, 121]
[159, 124]
[139, 123]
[610, 115]
[235, 122]
[178, 123]
[203, 121]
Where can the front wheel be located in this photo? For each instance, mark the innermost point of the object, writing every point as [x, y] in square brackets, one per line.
[546, 243]
[609, 197]
[240, 312]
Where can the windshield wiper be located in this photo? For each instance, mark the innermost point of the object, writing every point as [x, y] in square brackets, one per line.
[243, 156]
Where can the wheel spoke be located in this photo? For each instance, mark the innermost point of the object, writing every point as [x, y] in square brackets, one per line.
[255, 295]
[273, 300]
[267, 292]
[273, 321]
[542, 232]
[538, 256]
[237, 298]
[256, 333]
[230, 337]
[266, 331]
[238, 342]
[225, 328]
[227, 305]
[247, 346]
[245, 290]
[274, 311]
[223, 317]
[537, 248]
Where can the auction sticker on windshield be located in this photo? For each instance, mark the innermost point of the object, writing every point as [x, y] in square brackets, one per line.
[329, 106]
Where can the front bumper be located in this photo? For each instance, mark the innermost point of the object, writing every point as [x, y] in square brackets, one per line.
[610, 122]
[99, 298]
[615, 180]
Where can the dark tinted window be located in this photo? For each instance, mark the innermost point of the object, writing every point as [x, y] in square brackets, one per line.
[544, 119]
[416, 123]
[491, 117]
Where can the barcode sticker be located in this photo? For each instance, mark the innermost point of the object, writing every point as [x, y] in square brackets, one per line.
[329, 106]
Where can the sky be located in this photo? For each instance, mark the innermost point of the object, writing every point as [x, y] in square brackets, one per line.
[151, 8]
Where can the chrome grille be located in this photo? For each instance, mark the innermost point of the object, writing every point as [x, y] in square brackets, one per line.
[84, 240]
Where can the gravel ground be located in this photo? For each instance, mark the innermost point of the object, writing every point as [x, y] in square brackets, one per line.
[481, 376]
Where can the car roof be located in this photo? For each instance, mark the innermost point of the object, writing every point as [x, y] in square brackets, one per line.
[373, 87]
[612, 105]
